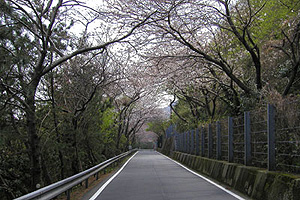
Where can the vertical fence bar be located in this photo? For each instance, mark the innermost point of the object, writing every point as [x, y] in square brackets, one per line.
[184, 142]
[247, 139]
[197, 142]
[271, 138]
[202, 142]
[179, 144]
[219, 142]
[210, 141]
[192, 142]
[230, 139]
[187, 141]
[176, 141]
[183, 145]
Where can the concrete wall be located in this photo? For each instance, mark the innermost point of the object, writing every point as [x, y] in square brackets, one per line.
[254, 182]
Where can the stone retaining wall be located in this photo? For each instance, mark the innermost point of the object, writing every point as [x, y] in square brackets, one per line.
[252, 181]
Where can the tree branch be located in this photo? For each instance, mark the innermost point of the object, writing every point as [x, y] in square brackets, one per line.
[98, 47]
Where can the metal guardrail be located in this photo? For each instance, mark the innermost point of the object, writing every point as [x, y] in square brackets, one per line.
[67, 184]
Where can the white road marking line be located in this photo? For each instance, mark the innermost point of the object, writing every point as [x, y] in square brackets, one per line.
[215, 184]
[110, 180]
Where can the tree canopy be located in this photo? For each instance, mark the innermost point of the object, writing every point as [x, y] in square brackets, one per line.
[78, 81]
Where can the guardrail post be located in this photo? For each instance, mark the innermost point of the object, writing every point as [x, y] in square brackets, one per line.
[210, 141]
[271, 138]
[86, 183]
[230, 139]
[219, 142]
[247, 139]
[202, 141]
[69, 194]
[197, 142]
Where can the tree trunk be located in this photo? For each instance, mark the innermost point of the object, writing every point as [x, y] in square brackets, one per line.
[120, 132]
[90, 152]
[76, 164]
[34, 143]
[291, 79]
[55, 121]
[258, 80]
[46, 175]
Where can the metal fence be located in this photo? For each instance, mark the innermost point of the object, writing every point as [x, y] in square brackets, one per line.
[267, 138]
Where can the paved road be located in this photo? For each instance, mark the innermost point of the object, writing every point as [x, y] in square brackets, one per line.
[149, 175]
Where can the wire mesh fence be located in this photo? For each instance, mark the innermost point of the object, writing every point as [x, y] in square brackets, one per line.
[287, 132]
[224, 139]
[213, 141]
[259, 138]
[265, 138]
[238, 140]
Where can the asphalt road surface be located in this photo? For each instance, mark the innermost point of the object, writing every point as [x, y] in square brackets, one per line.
[152, 176]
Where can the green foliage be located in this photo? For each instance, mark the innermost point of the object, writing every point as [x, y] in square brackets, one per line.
[14, 163]
[108, 121]
[74, 136]
[273, 18]
[158, 126]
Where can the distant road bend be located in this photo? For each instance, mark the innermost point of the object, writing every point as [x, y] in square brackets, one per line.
[149, 175]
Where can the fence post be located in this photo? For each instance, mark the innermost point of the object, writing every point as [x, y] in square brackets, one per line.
[182, 142]
[192, 143]
[230, 139]
[177, 141]
[197, 142]
[202, 141]
[271, 138]
[184, 145]
[247, 139]
[188, 142]
[219, 141]
[210, 141]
